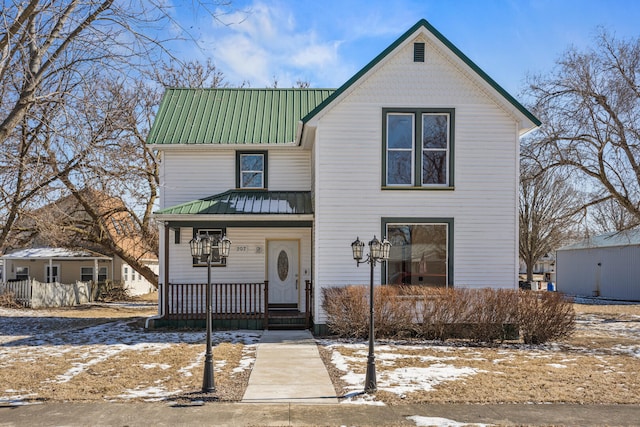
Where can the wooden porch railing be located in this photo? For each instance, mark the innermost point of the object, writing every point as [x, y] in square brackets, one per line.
[229, 301]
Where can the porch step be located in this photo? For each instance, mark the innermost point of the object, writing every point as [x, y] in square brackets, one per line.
[282, 319]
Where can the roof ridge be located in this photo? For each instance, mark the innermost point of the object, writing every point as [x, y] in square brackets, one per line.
[430, 28]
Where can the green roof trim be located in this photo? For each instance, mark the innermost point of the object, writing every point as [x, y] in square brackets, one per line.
[232, 116]
[423, 23]
[246, 202]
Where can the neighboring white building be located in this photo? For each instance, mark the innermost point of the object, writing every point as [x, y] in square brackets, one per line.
[606, 266]
[61, 265]
[420, 146]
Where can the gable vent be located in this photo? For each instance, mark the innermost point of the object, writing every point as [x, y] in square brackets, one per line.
[418, 52]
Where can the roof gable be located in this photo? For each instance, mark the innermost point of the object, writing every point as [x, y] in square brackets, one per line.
[232, 116]
[423, 25]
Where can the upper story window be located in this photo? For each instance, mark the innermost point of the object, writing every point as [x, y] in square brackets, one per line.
[418, 148]
[251, 169]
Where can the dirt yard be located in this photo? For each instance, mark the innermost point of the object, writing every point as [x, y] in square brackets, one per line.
[102, 352]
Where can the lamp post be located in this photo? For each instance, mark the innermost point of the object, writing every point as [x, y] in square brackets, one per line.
[202, 249]
[378, 252]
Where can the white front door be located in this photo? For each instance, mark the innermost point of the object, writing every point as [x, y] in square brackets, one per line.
[283, 271]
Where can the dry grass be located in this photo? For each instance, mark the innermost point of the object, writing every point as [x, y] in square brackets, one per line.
[591, 366]
[588, 367]
[113, 372]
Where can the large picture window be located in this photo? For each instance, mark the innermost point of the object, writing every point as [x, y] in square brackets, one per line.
[418, 147]
[216, 235]
[420, 252]
[252, 169]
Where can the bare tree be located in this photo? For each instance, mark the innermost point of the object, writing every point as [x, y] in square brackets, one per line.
[75, 109]
[548, 209]
[608, 216]
[191, 74]
[590, 109]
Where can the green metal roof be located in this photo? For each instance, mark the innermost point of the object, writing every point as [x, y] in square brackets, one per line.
[423, 23]
[252, 202]
[232, 116]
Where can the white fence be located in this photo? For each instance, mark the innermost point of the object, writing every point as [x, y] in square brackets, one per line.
[31, 293]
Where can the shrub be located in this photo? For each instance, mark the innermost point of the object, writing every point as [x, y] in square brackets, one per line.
[483, 315]
[436, 310]
[347, 310]
[544, 316]
[8, 300]
[491, 313]
[393, 313]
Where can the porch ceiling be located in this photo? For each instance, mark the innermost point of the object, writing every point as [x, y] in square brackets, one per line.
[246, 202]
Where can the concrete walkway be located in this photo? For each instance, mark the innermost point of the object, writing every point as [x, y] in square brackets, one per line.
[288, 369]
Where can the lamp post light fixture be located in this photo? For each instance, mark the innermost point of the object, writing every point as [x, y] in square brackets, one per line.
[378, 252]
[203, 249]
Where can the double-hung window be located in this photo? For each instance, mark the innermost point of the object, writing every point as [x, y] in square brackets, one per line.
[251, 169]
[86, 274]
[418, 148]
[215, 234]
[22, 273]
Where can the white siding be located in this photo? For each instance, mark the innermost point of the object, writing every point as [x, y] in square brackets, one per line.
[190, 175]
[348, 162]
[247, 262]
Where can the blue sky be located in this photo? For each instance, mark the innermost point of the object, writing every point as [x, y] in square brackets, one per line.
[327, 41]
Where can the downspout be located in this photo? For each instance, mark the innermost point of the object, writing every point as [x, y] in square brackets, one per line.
[163, 298]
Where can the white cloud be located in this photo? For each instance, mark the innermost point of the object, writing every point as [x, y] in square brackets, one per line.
[264, 42]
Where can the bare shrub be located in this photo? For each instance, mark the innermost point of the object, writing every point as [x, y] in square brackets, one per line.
[544, 316]
[491, 313]
[8, 300]
[483, 315]
[113, 292]
[436, 310]
[347, 310]
[393, 313]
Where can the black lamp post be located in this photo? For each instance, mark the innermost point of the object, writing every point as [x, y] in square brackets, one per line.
[203, 249]
[378, 252]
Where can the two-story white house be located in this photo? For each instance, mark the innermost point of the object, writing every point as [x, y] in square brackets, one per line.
[420, 146]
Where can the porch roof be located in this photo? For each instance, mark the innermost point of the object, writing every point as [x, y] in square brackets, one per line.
[53, 253]
[246, 202]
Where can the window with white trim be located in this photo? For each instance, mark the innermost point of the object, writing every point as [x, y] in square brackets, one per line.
[22, 273]
[418, 148]
[102, 274]
[252, 169]
[86, 274]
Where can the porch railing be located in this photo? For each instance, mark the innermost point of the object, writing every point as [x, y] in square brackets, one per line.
[230, 301]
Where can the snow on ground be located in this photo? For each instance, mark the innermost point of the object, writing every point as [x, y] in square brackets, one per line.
[27, 334]
[399, 381]
[439, 422]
